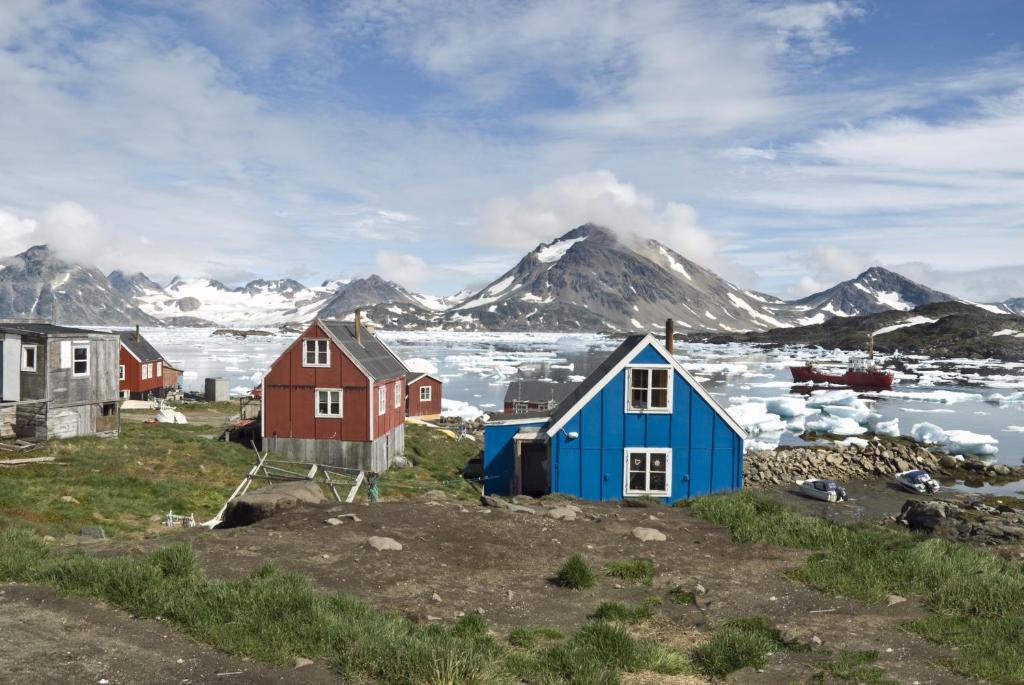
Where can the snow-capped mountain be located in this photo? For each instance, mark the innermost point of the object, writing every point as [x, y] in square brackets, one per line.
[39, 284]
[1015, 305]
[365, 292]
[131, 285]
[876, 290]
[589, 279]
[210, 302]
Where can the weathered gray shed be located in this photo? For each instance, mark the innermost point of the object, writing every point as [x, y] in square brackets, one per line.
[57, 382]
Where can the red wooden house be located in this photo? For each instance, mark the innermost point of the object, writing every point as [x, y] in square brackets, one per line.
[422, 396]
[336, 396]
[141, 373]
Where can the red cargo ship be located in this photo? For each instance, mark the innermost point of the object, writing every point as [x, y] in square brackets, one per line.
[861, 373]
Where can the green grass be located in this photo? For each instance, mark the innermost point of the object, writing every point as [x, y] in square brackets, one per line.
[740, 643]
[121, 482]
[529, 637]
[976, 599]
[623, 613]
[681, 596]
[436, 458]
[575, 574]
[855, 666]
[275, 616]
[639, 571]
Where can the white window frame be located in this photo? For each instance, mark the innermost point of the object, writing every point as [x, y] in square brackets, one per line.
[647, 451]
[520, 406]
[398, 394]
[328, 415]
[650, 368]
[120, 372]
[159, 370]
[382, 400]
[428, 395]
[35, 358]
[74, 362]
[316, 345]
[145, 372]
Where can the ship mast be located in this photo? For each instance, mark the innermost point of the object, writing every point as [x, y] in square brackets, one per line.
[871, 347]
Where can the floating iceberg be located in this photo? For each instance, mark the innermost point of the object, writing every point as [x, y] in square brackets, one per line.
[890, 429]
[420, 365]
[943, 396]
[823, 398]
[1012, 398]
[834, 425]
[462, 410]
[787, 407]
[755, 418]
[955, 441]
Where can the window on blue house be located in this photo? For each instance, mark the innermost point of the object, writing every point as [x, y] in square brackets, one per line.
[648, 472]
[649, 389]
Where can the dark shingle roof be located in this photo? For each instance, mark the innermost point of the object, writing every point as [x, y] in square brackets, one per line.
[539, 416]
[595, 377]
[537, 391]
[371, 353]
[414, 376]
[140, 348]
[46, 329]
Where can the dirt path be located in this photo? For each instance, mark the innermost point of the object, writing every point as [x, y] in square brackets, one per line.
[46, 639]
[475, 558]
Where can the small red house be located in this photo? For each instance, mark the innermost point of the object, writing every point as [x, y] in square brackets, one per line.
[422, 396]
[141, 372]
[336, 396]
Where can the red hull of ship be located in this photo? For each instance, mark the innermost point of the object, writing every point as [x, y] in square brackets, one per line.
[875, 380]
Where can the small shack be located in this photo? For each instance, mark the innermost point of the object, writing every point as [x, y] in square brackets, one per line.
[422, 396]
[57, 382]
[638, 426]
[526, 396]
[141, 372]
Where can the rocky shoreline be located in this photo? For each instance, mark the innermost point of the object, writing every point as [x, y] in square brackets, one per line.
[880, 459]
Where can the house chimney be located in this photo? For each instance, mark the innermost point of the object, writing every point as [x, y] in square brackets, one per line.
[669, 335]
[137, 336]
[359, 326]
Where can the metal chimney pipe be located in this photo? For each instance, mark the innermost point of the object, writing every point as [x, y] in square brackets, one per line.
[669, 335]
[137, 335]
[359, 326]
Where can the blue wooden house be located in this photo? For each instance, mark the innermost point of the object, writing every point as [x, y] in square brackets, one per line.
[638, 426]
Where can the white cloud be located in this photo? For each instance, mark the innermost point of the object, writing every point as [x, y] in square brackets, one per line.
[598, 197]
[407, 269]
[15, 233]
[75, 233]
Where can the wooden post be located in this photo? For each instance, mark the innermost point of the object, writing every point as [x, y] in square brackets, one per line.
[670, 334]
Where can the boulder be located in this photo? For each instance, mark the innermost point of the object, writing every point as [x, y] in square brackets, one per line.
[649, 535]
[562, 514]
[263, 503]
[927, 516]
[382, 544]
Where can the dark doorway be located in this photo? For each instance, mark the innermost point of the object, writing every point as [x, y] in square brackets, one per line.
[536, 469]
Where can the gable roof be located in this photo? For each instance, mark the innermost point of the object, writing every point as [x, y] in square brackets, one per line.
[140, 349]
[538, 391]
[414, 376]
[374, 357]
[616, 362]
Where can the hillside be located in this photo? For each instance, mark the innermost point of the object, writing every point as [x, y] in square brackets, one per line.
[943, 329]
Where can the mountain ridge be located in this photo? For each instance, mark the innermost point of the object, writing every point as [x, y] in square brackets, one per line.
[590, 279]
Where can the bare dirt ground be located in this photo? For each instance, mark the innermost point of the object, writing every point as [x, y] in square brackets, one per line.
[46, 639]
[474, 558]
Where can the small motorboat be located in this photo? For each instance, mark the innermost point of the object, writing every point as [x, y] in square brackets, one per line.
[823, 489]
[917, 481]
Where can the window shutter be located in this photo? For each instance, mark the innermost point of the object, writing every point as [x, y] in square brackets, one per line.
[65, 354]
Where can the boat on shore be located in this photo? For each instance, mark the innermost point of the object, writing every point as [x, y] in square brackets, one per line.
[860, 373]
[823, 489]
[917, 481]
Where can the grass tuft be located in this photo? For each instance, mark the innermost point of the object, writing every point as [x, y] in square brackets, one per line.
[740, 643]
[855, 666]
[680, 596]
[639, 571]
[576, 574]
[616, 611]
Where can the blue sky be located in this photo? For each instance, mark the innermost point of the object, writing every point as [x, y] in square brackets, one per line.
[786, 145]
